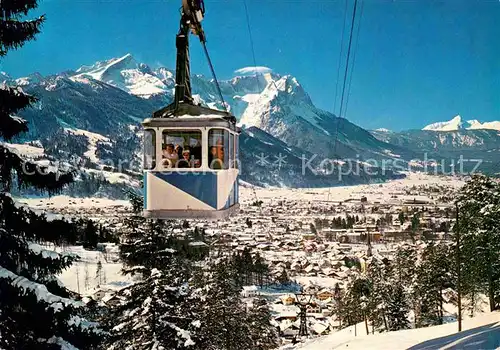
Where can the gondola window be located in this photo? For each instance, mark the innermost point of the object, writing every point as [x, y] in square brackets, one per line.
[218, 149]
[181, 149]
[149, 149]
[231, 150]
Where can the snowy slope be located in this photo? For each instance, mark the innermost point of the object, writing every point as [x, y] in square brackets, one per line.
[93, 139]
[481, 332]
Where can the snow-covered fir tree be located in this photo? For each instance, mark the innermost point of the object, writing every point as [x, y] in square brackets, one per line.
[178, 303]
[397, 309]
[226, 321]
[378, 275]
[36, 311]
[433, 277]
[154, 312]
[479, 227]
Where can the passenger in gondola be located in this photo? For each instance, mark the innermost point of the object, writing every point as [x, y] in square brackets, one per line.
[215, 159]
[196, 151]
[169, 156]
[178, 149]
[185, 162]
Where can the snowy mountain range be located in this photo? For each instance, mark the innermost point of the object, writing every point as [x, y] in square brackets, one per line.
[111, 97]
[457, 124]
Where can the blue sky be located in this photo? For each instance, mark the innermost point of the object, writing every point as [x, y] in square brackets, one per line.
[417, 62]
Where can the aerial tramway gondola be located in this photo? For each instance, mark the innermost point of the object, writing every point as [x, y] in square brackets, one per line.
[190, 152]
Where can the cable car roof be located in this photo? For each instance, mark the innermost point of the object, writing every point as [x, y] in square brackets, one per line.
[205, 120]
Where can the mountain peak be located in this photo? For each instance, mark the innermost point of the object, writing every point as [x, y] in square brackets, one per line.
[457, 124]
[126, 74]
[450, 125]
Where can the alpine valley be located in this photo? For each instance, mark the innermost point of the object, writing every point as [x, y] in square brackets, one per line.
[90, 119]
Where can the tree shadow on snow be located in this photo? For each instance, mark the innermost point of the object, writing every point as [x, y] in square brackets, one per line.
[485, 338]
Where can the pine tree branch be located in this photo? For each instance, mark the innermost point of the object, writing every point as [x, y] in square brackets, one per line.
[11, 126]
[13, 100]
[12, 8]
[14, 33]
[30, 174]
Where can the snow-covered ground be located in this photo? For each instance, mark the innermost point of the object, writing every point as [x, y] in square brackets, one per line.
[25, 150]
[374, 192]
[67, 202]
[481, 332]
[93, 139]
[82, 276]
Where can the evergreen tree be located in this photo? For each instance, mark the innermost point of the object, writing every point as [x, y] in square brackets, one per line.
[260, 269]
[379, 279]
[479, 226]
[36, 312]
[98, 273]
[415, 224]
[401, 217]
[90, 236]
[433, 276]
[86, 276]
[397, 308]
[155, 312]
[153, 315]
[355, 303]
[136, 200]
[263, 335]
[226, 322]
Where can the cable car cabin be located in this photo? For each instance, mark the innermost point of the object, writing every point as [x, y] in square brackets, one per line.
[190, 167]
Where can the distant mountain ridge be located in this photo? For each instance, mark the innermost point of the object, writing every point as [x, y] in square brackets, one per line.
[278, 117]
[111, 97]
[458, 124]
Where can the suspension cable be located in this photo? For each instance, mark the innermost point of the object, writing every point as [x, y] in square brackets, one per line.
[214, 76]
[250, 35]
[348, 57]
[340, 58]
[252, 42]
[345, 79]
[354, 56]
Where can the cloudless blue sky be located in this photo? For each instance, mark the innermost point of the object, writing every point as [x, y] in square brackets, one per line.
[417, 61]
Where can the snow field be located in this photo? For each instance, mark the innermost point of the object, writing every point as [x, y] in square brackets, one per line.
[481, 332]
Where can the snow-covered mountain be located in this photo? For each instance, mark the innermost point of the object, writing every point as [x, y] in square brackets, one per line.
[109, 97]
[449, 142]
[458, 124]
[276, 104]
[127, 74]
[451, 125]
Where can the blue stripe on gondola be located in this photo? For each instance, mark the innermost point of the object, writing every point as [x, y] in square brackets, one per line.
[145, 189]
[201, 186]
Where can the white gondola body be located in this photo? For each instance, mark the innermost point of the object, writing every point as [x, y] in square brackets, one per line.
[194, 192]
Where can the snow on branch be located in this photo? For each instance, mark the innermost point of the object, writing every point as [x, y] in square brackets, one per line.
[182, 333]
[42, 294]
[84, 324]
[61, 342]
[50, 254]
